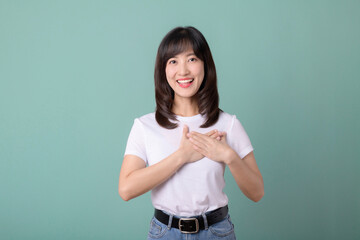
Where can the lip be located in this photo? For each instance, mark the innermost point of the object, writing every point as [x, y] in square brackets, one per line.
[185, 85]
[184, 79]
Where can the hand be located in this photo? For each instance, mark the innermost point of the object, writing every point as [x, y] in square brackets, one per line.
[186, 147]
[217, 150]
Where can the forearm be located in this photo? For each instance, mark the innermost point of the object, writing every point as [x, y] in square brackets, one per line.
[250, 182]
[143, 180]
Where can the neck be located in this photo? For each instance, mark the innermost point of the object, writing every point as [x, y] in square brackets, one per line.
[185, 107]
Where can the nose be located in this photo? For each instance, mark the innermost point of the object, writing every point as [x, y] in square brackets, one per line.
[183, 69]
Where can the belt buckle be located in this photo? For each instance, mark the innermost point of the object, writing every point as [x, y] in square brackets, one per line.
[196, 221]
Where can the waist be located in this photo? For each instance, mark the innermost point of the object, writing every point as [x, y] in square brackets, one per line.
[192, 224]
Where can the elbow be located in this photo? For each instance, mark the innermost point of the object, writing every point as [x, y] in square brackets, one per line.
[259, 194]
[124, 197]
[258, 197]
[124, 194]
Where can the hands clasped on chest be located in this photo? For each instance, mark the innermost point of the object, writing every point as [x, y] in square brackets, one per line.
[194, 146]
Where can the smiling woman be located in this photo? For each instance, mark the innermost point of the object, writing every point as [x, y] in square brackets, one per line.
[185, 169]
[173, 58]
[185, 64]
[184, 70]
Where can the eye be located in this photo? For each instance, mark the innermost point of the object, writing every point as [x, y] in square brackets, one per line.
[192, 59]
[172, 62]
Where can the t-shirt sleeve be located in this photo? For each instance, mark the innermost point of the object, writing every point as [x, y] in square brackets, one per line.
[238, 138]
[136, 141]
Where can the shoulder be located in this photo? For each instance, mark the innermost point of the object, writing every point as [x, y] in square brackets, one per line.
[231, 120]
[226, 117]
[229, 117]
[147, 120]
[147, 117]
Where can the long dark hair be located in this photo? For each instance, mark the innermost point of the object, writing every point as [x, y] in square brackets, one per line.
[177, 41]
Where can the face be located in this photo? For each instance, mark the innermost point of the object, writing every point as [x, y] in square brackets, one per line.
[185, 73]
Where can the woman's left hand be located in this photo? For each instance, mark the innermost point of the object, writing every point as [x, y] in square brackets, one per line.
[217, 150]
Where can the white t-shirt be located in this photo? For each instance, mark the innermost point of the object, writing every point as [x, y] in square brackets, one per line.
[196, 187]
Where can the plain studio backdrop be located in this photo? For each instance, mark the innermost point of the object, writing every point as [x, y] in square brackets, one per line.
[75, 74]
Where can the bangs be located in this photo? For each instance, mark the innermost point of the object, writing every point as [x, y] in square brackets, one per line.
[180, 43]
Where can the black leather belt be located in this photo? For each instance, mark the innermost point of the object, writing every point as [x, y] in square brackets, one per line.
[193, 224]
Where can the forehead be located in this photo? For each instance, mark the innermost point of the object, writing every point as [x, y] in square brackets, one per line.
[186, 53]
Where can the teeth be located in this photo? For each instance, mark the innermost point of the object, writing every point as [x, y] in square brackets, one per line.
[185, 81]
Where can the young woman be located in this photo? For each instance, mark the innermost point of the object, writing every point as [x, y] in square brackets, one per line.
[181, 150]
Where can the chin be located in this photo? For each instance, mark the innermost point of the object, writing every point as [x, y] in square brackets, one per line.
[185, 95]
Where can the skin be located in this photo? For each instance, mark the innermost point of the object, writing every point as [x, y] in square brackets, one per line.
[137, 179]
[185, 65]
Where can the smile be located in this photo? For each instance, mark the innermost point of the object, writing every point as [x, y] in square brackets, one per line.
[185, 82]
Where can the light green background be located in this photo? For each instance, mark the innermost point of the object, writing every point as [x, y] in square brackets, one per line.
[75, 74]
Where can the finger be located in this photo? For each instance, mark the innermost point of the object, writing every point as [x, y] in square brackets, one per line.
[223, 137]
[211, 132]
[193, 133]
[199, 144]
[201, 137]
[218, 137]
[215, 135]
[185, 130]
[200, 150]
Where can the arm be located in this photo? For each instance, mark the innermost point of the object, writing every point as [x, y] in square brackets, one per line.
[244, 171]
[136, 179]
[246, 174]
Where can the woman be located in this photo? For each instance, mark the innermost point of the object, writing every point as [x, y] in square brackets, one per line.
[180, 151]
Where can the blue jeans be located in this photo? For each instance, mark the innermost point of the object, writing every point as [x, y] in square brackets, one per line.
[221, 230]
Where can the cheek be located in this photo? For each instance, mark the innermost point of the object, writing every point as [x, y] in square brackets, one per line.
[199, 71]
[169, 71]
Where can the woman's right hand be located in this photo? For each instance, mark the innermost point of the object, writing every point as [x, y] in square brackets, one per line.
[186, 148]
